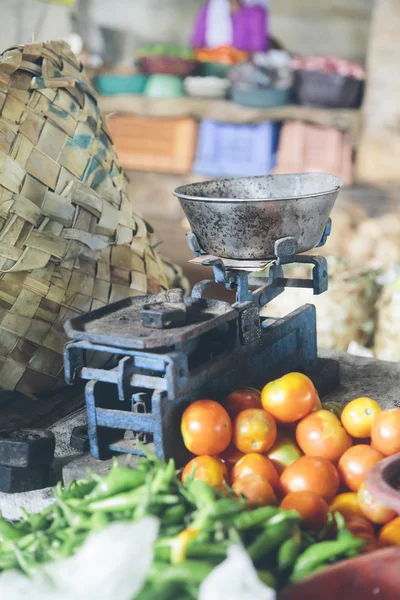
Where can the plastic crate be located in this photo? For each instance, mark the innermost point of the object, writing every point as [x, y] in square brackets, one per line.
[164, 145]
[307, 148]
[226, 150]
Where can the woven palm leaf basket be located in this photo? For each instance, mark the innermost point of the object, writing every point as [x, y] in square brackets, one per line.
[70, 239]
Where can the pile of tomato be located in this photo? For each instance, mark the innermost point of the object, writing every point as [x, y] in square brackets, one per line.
[281, 446]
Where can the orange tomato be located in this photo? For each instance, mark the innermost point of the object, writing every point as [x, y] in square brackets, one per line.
[206, 428]
[289, 398]
[373, 510]
[256, 464]
[385, 431]
[321, 434]
[390, 533]
[254, 430]
[348, 505]
[313, 509]
[358, 415]
[284, 452]
[206, 468]
[231, 456]
[313, 474]
[359, 525]
[241, 400]
[256, 489]
[355, 463]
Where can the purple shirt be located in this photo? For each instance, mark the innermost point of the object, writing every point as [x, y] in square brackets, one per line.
[249, 29]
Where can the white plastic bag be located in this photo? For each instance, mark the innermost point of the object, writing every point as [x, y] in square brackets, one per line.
[111, 565]
[235, 579]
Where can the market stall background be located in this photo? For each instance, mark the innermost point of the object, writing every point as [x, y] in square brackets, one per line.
[198, 137]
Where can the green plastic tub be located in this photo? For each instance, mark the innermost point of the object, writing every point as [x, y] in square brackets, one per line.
[261, 98]
[109, 85]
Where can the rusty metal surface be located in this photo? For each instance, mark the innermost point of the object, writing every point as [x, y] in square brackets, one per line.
[243, 218]
[120, 324]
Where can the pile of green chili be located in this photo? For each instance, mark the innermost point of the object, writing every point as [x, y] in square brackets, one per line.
[197, 526]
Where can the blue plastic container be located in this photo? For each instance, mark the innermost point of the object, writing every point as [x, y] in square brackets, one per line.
[226, 150]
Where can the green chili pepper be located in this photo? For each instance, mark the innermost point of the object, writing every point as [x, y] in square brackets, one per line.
[225, 507]
[288, 553]
[165, 591]
[210, 551]
[267, 578]
[118, 502]
[194, 571]
[117, 481]
[8, 531]
[270, 539]
[172, 515]
[202, 495]
[318, 554]
[249, 519]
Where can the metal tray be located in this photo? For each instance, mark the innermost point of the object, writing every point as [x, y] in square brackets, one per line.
[119, 325]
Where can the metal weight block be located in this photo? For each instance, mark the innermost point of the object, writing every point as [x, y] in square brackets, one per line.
[15, 480]
[27, 448]
[80, 439]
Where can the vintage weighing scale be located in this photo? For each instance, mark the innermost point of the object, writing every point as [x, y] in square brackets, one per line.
[170, 350]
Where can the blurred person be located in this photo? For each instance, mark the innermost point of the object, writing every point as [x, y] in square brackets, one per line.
[242, 24]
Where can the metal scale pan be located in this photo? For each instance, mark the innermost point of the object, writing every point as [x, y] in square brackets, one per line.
[244, 218]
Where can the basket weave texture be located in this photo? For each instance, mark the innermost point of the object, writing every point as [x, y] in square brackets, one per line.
[70, 239]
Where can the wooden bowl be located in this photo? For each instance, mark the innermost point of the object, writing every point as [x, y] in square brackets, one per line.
[383, 482]
[372, 576]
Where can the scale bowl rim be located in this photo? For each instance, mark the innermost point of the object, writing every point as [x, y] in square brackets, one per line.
[334, 190]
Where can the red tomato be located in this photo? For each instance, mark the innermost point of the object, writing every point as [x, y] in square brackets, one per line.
[206, 428]
[373, 510]
[284, 452]
[312, 474]
[256, 489]
[231, 456]
[256, 464]
[241, 400]
[313, 509]
[359, 525]
[321, 434]
[355, 463]
[289, 398]
[254, 430]
[385, 431]
[206, 468]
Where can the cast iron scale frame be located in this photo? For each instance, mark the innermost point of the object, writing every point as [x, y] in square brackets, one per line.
[169, 350]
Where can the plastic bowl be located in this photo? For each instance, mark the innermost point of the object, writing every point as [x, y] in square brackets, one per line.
[109, 85]
[261, 98]
[164, 86]
[207, 87]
